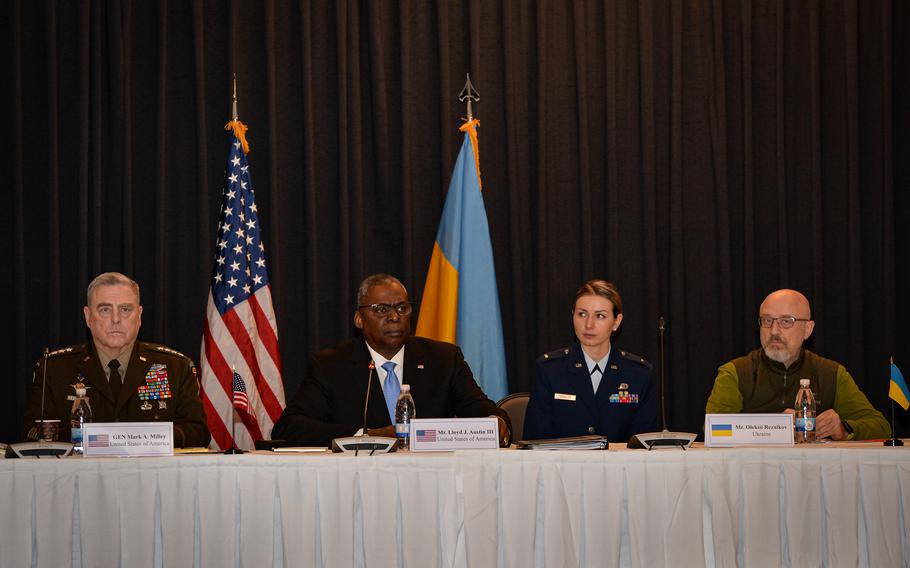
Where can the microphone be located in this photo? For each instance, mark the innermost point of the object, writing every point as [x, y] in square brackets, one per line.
[661, 326]
[366, 401]
[364, 441]
[43, 390]
[41, 448]
[664, 438]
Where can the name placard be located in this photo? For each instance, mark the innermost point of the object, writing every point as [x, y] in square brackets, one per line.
[449, 434]
[128, 439]
[725, 430]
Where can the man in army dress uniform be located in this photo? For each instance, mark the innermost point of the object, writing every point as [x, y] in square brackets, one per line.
[127, 380]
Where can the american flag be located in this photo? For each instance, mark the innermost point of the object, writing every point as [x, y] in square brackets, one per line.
[98, 441]
[241, 331]
[426, 435]
[241, 400]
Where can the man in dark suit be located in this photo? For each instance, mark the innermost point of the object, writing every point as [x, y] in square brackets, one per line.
[329, 403]
[127, 380]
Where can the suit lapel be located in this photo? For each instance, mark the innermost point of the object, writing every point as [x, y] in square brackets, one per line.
[414, 364]
[611, 377]
[581, 378]
[90, 369]
[135, 374]
[377, 413]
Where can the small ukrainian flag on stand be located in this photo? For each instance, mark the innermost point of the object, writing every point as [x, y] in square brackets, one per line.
[897, 392]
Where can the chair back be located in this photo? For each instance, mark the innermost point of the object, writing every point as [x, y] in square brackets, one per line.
[515, 406]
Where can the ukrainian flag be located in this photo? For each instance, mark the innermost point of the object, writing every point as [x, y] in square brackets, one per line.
[898, 390]
[460, 301]
[722, 430]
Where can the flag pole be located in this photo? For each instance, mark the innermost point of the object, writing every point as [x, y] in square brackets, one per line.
[469, 93]
[894, 441]
[233, 450]
[234, 114]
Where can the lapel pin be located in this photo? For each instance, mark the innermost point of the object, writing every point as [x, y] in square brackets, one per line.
[614, 367]
[578, 365]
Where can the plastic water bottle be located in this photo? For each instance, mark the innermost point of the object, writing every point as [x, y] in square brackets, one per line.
[805, 413]
[405, 411]
[81, 413]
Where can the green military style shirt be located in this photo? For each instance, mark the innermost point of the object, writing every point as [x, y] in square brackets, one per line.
[756, 384]
[159, 385]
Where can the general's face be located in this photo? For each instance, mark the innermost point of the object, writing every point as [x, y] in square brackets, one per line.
[114, 317]
[386, 334]
[784, 345]
[594, 321]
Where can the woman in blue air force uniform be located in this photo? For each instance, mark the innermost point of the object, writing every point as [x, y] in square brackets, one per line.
[592, 387]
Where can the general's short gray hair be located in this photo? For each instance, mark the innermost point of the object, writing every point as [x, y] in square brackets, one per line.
[110, 279]
[373, 280]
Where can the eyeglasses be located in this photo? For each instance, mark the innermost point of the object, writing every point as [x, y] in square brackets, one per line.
[383, 310]
[785, 322]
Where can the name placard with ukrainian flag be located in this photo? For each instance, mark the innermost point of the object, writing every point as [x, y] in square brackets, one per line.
[727, 430]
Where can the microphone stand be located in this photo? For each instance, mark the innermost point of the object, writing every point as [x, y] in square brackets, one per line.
[661, 326]
[664, 438]
[364, 441]
[43, 447]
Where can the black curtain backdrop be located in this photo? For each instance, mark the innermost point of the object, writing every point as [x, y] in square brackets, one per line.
[699, 154]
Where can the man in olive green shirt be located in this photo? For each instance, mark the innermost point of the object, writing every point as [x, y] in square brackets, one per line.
[767, 379]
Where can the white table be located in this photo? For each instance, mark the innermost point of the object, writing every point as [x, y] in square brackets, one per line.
[834, 504]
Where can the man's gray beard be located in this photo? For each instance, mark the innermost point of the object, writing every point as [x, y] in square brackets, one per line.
[779, 355]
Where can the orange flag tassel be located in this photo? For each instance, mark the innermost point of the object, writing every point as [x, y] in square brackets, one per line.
[239, 129]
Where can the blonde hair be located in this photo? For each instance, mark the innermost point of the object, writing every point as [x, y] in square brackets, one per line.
[603, 289]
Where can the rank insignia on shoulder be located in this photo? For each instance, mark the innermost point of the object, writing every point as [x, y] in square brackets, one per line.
[168, 350]
[62, 351]
[558, 354]
[635, 359]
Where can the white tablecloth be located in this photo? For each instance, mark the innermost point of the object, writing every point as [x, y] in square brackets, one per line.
[832, 505]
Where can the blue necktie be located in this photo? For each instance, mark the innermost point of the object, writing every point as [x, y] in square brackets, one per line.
[391, 388]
